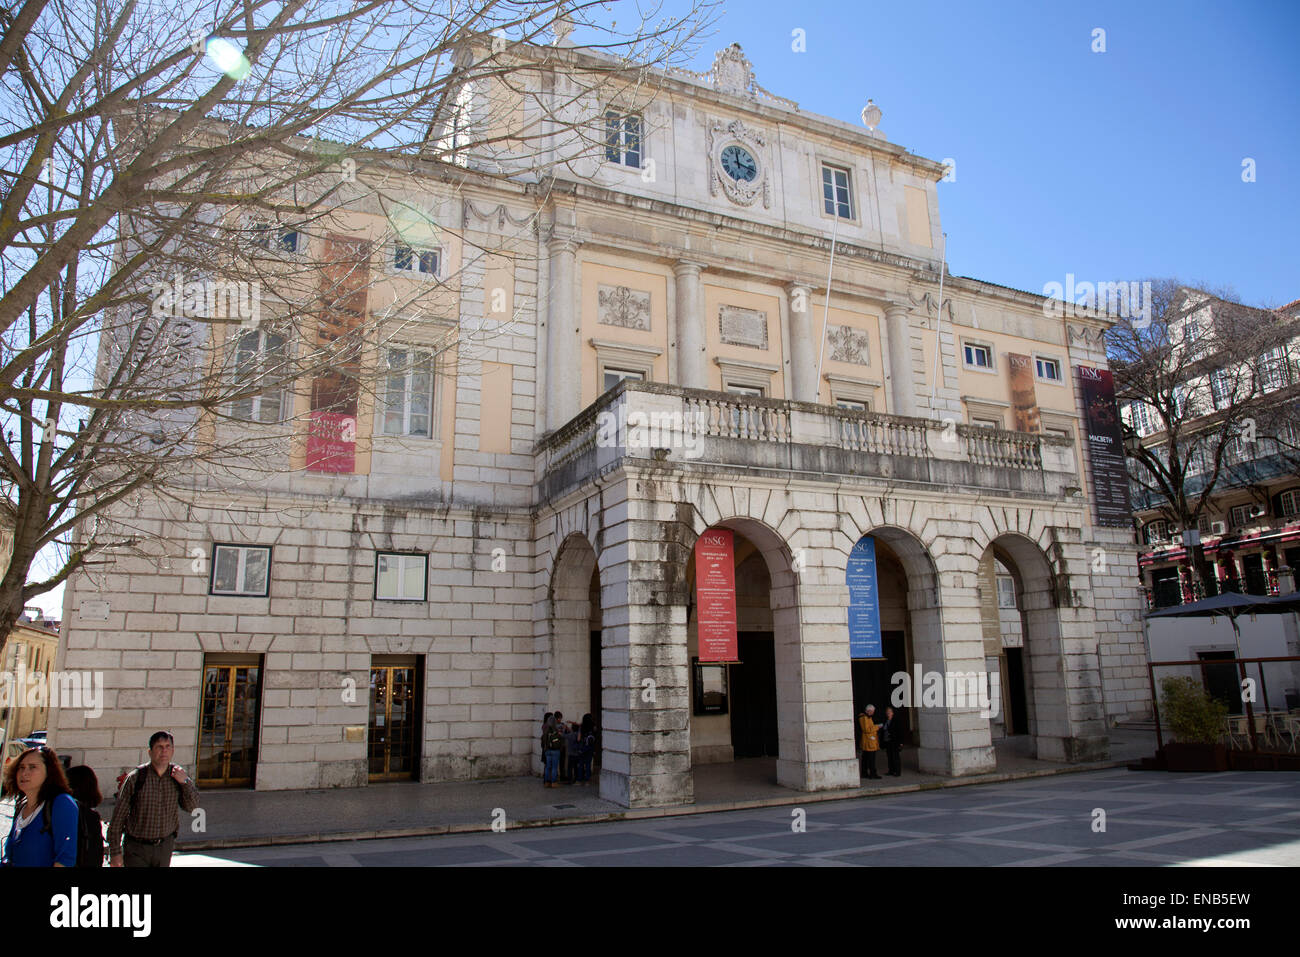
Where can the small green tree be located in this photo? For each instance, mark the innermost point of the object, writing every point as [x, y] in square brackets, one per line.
[1190, 712]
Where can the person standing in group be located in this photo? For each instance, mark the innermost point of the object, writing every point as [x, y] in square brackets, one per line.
[85, 788]
[145, 822]
[44, 828]
[562, 728]
[586, 748]
[551, 741]
[572, 749]
[891, 740]
[868, 738]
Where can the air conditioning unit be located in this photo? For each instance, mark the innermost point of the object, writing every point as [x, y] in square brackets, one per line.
[1258, 511]
[1176, 538]
[1218, 528]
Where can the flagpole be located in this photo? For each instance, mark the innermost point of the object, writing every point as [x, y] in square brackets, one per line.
[826, 308]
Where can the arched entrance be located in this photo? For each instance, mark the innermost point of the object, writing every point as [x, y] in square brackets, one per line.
[751, 708]
[911, 636]
[1028, 649]
[573, 683]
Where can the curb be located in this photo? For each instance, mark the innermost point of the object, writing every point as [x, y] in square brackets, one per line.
[638, 814]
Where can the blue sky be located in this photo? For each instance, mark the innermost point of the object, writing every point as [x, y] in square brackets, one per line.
[1112, 166]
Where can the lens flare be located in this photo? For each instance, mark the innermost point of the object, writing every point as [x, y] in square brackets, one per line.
[228, 58]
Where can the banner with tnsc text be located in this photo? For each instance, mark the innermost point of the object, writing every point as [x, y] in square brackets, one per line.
[1110, 487]
[1024, 400]
[864, 600]
[715, 595]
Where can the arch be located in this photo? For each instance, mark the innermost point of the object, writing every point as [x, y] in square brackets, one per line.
[573, 617]
[1043, 665]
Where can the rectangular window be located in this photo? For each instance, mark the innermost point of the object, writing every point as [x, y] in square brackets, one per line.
[259, 355]
[1273, 371]
[985, 423]
[421, 263]
[274, 237]
[1142, 419]
[858, 405]
[1006, 591]
[614, 376]
[1220, 388]
[1242, 515]
[978, 357]
[401, 577]
[240, 570]
[837, 197]
[736, 389]
[1290, 503]
[1049, 369]
[623, 139]
[1156, 532]
[408, 398]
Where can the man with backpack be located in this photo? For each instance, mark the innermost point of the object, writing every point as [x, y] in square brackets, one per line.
[145, 821]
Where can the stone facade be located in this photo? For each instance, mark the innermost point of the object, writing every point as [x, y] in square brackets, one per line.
[559, 547]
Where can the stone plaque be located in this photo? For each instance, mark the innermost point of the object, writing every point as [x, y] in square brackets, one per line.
[849, 345]
[354, 734]
[621, 306]
[93, 611]
[743, 327]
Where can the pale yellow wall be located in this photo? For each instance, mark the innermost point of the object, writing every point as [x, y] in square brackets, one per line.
[600, 271]
[446, 385]
[494, 426]
[753, 296]
[997, 386]
[918, 216]
[841, 315]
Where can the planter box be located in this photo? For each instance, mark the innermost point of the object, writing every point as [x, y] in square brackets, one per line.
[1195, 757]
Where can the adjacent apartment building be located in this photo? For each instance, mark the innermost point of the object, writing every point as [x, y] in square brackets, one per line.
[516, 531]
[1250, 527]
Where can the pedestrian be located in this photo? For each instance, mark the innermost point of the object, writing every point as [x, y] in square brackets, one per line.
[870, 742]
[891, 740]
[562, 728]
[572, 750]
[551, 741]
[44, 828]
[145, 823]
[587, 748]
[85, 788]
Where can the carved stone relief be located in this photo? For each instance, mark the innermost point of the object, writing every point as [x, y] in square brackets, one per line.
[849, 345]
[624, 307]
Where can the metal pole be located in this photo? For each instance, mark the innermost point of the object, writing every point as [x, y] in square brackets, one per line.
[826, 309]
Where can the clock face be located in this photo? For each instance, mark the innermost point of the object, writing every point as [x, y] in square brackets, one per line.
[738, 164]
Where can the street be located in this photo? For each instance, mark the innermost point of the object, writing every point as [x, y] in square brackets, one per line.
[1111, 818]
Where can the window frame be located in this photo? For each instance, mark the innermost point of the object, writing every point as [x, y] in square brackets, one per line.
[606, 371]
[417, 254]
[823, 167]
[261, 353]
[1294, 495]
[618, 136]
[1039, 359]
[999, 581]
[1243, 511]
[972, 344]
[408, 374]
[241, 570]
[263, 226]
[401, 576]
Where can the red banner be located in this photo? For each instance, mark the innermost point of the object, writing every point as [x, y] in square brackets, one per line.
[715, 595]
[332, 442]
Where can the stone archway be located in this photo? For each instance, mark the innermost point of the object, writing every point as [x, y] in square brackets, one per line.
[575, 620]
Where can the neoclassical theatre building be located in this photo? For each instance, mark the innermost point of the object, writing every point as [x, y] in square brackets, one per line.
[515, 532]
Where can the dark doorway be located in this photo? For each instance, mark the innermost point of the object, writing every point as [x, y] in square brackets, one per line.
[1253, 571]
[872, 682]
[752, 685]
[1018, 719]
[593, 690]
[1221, 680]
[395, 717]
[228, 710]
[1166, 590]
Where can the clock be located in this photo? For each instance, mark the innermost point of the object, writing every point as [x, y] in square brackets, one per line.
[739, 164]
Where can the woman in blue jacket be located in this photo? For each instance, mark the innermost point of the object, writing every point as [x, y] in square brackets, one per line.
[37, 838]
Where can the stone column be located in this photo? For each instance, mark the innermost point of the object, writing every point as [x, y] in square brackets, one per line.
[645, 673]
[563, 321]
[804, 386]
[692, 357]
[898, 371]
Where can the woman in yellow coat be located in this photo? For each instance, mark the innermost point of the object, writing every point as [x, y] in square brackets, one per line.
[870, 742]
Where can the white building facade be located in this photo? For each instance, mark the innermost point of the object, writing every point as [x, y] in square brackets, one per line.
[514, 533]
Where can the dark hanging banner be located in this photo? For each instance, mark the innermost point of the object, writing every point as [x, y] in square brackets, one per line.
[1110, 488]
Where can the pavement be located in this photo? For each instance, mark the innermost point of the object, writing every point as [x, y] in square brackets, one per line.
[244, 818]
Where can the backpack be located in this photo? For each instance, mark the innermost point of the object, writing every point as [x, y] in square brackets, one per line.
[90, 834]
[139, 783]
[589, 745]
[552, 740]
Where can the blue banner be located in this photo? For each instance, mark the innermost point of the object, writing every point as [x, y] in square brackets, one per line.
[864, 601]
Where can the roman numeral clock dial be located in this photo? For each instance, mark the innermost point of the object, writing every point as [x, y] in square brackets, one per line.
[739, 164]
